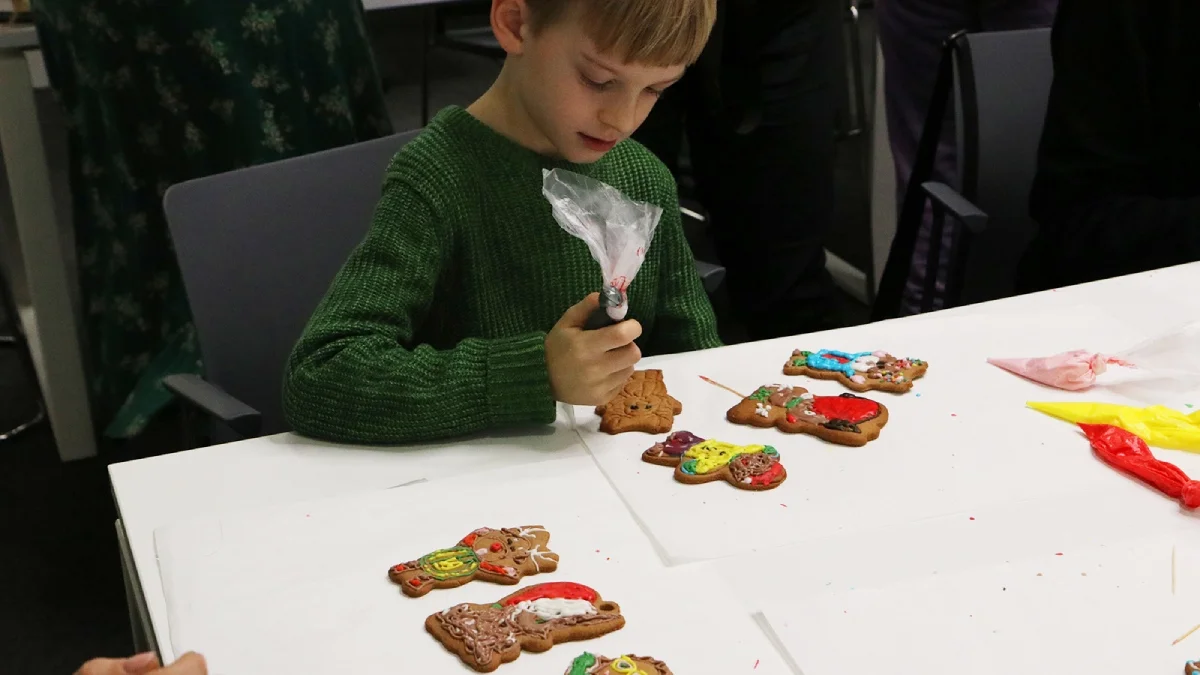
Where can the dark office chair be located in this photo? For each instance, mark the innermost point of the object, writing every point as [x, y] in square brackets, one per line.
[1001, 84]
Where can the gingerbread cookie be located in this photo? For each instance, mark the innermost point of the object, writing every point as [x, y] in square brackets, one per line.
[1191, 668]
[846, 419]
[860, 371]
[534, 619]
[642, 405]
[501, 556]
[696, 460]
[591, 664]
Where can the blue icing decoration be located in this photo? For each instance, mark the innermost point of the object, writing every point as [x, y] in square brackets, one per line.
[689, 467]
[821, 361]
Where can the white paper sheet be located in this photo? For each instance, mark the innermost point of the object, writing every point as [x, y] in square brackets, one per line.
[1105, 609]
[962, 439]
[303, 588]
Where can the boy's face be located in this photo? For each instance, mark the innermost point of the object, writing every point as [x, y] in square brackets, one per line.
[582, 101]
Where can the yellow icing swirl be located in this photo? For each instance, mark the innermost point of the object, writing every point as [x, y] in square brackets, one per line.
[626, 666]
[712, 455]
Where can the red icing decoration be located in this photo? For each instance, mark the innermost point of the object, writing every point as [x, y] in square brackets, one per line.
[399, 568]
[469, 540]
[490, 567]
[852, 409]
[1129, 454]
[767, 477]
[415, 583]
[791, 418]
[496, 546]
[564, 590]
[839, 359]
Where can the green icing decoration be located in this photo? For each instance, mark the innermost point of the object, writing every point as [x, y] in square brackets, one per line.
[581, 664]
[440, 564]
[771, 451]
[794, 402]
[761, 395]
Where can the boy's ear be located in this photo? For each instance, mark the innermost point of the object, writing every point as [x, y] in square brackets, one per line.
[510, 23]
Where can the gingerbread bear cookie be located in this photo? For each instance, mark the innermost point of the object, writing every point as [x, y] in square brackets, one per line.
[696, 460]
[860, 371]
[534, 619]
[501, 556]
[1191, 668]
[591, 664]
[643, 404]
[846, 419]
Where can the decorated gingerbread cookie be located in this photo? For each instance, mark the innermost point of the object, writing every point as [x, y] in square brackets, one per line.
[534, 619]
[696, 460]
[591, 664]
[860, 371]
[642, 405]
[1191, 668]
[501, 556]
[846, 419]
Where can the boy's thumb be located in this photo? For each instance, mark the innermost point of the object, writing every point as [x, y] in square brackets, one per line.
[577, 315]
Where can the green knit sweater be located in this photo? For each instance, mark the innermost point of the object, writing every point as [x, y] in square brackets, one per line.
[436, 325]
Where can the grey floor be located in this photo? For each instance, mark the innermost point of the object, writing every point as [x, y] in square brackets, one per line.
[61, 596]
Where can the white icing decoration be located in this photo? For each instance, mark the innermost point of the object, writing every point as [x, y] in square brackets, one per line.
[538, 554]
[526, 531]
[557, 608]
[762, 410]
[482, 551]
[809, 412]
[864, 363]
[858, 379]
[806, 396]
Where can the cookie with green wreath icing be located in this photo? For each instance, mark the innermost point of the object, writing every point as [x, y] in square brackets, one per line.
[859, 371]
[591, 664]
[846, 419]
[501, 556]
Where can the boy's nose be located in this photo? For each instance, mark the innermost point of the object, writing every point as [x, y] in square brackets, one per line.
[622, 117]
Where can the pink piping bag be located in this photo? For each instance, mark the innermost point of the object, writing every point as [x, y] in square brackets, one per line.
[1074, 371]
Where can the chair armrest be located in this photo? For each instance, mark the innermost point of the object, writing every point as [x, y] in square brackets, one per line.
[710, 275]
[950, 201]
[218, 404]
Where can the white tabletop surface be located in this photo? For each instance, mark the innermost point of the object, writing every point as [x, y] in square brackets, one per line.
[1109, 315]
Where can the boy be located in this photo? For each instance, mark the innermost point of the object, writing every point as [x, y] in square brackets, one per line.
[463, 309]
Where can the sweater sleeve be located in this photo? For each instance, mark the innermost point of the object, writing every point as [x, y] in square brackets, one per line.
[1092, 196]
[685, 321]
[356, 375]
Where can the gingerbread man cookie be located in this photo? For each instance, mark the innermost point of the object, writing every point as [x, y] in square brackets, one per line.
[501, 556]
[534, 619]
[860, 371]
[846, 419]
[696, 460]
[643, 404]
[1191, 668]
[591, 664]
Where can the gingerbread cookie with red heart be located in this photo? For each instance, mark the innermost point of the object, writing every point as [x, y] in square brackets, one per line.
[592, 664]
[846, 419]
[643, 404]
[503, 556]
[533, 619]
[696, 461]
[860, 371]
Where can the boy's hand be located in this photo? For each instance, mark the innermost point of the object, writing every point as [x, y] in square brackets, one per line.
[145, 664]
[589, 367]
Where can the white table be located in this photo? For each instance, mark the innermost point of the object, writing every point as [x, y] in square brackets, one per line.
[155, 492]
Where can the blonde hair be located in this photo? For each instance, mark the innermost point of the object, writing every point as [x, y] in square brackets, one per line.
[649, 32]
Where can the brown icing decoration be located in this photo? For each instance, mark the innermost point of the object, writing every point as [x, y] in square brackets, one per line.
[533, 619]
[845, 419]
[503, 556]
[628, 664]
[879, 370]
[643, 404]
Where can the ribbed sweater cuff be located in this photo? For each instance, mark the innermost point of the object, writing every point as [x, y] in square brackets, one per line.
[518, 384]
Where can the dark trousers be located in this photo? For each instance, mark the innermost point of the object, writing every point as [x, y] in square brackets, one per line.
[911, 33]
[769, 191]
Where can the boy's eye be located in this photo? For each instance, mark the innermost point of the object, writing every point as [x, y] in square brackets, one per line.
[656, 93]
[598, 86]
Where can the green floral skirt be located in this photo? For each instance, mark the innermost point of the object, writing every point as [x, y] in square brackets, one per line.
[156, 93]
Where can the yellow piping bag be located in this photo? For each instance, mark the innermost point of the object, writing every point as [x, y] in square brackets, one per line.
[1158, 425]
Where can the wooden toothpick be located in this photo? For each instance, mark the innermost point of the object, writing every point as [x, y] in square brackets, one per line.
[1186, 635]
[718, 384]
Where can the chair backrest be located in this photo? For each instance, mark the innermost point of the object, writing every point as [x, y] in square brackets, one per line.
[258, 248]
[1002, 89]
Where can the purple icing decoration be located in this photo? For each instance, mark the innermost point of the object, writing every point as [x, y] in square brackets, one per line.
[680, 442]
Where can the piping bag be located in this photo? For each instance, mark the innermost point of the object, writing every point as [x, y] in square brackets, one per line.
[617, 230]
[1158, 425]
[1127, 453]
[1074, 370]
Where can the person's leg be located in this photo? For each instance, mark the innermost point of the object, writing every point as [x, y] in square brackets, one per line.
[770, 191]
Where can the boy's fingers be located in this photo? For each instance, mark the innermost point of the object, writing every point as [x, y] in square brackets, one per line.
[188, 664]
[622, 358]
[615, 382]
[615, 336]
[577, 315]
[140, 664]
